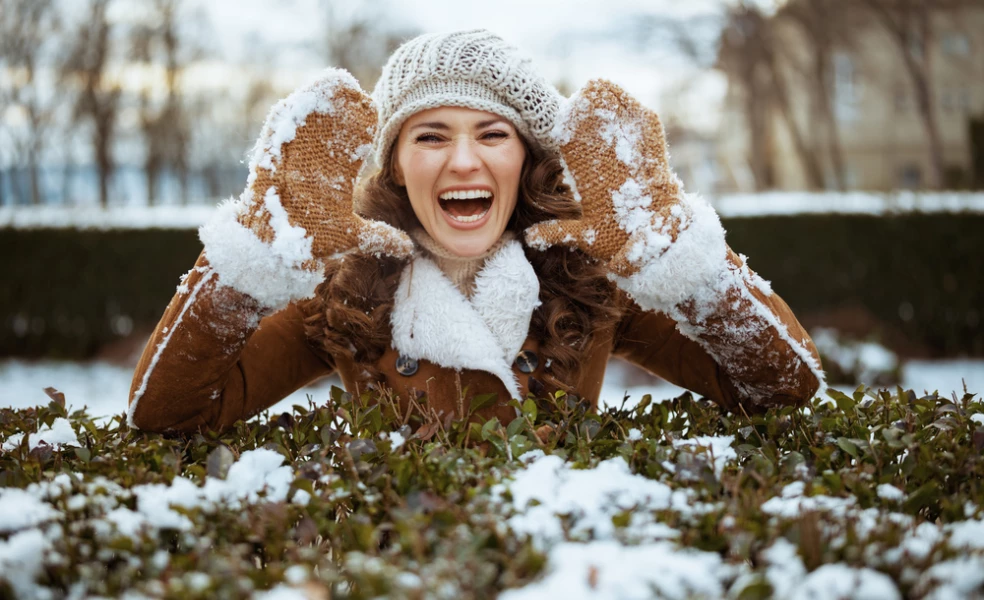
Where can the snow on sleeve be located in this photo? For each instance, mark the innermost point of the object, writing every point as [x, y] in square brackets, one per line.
[60, 433]
[270, 273]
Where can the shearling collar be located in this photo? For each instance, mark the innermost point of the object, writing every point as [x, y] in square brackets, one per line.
[434, 321]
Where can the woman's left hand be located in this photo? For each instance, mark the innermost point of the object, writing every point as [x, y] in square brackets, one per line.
[616, 153]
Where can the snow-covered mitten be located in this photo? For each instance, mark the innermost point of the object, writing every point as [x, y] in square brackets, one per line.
[614, 149]
[666, 248]
[296, 212]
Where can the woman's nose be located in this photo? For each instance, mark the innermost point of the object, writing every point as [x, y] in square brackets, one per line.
[464, 159]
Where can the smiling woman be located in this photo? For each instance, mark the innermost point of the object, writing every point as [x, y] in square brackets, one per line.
[461, 170]
[511, 242]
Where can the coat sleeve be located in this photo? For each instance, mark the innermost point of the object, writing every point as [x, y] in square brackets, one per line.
[740, 346]
[214, 358]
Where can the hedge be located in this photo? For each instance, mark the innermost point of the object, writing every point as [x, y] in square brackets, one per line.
[70, 292]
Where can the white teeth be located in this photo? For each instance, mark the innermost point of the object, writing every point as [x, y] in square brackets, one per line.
[469, 219]
[465, 194]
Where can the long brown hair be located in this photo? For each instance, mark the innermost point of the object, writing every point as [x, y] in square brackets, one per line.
[350, 315]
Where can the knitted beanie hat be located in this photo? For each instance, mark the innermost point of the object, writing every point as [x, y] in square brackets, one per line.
[472, 69]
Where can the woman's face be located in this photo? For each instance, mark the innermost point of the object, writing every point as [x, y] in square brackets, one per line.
[461, 168]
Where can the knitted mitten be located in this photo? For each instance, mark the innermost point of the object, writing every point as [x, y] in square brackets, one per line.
[666, 249]
[615, 150]
[296, 212]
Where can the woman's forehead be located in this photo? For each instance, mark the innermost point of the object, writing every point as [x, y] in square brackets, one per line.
[450, 117]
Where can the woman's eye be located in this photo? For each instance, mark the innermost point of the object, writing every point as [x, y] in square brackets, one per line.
[495, 135]
[428, 138]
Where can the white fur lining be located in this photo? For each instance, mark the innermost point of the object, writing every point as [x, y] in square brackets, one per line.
[434, 321]
[695, 268]
[270, 273]
[207, 275]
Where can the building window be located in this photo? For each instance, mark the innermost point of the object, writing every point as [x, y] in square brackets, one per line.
[955, 43]
[910, 177]
[846, 86]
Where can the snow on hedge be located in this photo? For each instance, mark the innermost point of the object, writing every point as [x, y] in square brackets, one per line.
[729, 205]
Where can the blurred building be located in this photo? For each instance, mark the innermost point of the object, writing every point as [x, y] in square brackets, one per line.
[821, 95]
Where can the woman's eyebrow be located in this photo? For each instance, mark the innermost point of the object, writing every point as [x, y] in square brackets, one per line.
[441, 126]
[432, 125]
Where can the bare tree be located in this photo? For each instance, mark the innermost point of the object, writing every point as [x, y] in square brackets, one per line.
[358, 39]
[27, 28]
[164, 120]
[909, 24]
[826, 26]
[98, 96]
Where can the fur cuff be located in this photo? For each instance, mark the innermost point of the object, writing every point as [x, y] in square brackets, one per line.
[694, 267]
[270, 273]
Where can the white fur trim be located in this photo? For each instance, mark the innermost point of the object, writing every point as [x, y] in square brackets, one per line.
[138, 394]
[434, 321]
[695, 268]
[270, 273]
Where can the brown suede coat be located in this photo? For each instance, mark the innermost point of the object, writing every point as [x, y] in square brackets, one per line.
[212, 361]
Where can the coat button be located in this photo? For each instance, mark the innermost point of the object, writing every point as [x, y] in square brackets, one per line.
[406, 366]
[527, 361]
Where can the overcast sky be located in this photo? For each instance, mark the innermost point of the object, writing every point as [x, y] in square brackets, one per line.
[571, 40]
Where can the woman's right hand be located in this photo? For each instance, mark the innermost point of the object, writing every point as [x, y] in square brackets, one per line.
[305, 166]
[296, 212]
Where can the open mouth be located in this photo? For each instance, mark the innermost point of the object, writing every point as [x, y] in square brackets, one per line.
[466, 206]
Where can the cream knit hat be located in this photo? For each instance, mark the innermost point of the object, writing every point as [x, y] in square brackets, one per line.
[474, 69]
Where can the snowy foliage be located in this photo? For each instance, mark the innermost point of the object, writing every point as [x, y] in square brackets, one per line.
[871, 495]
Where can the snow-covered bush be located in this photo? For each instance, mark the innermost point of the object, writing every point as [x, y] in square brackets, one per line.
[870, 495]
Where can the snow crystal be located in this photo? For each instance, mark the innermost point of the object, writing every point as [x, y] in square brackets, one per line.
[887, 491]
[840, 582]
[606, 569]
[60, 433]
[634, 435]
[719, 448]
[21, 561]
[20, 509]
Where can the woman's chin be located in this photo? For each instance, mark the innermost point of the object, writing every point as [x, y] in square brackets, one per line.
[467, 244]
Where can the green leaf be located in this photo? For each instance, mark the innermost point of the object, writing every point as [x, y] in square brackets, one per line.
[848, 446]
[480, 401]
